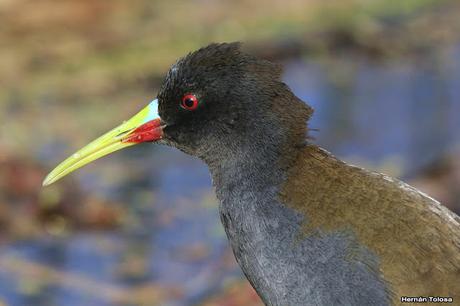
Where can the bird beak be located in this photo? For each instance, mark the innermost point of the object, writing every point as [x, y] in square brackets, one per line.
[145, 126]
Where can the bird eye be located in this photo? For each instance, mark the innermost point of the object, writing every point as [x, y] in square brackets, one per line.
[189, 102]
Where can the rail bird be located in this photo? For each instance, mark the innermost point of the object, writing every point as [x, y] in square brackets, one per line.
[305, 227]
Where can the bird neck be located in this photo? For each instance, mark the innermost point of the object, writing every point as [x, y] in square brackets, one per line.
[252, 167]
[247, 189]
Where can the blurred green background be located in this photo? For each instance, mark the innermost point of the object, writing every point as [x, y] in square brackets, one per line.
[141, 227]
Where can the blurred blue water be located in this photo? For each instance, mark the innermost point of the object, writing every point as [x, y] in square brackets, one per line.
[409, 109]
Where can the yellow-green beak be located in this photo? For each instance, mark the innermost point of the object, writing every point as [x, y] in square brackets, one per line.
[145, 126]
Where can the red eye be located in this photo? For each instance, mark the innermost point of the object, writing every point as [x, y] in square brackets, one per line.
[189, 102]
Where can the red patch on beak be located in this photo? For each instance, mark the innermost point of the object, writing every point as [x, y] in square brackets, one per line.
[148, 132]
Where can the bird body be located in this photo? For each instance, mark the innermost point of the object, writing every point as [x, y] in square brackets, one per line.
[305, 227]
[329, 233]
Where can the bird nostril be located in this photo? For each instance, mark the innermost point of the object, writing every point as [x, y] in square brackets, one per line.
[122, 133]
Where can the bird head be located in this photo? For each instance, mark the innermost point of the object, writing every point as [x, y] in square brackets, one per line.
[214, 103]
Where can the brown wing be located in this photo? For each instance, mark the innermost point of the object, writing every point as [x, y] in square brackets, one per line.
[416, 239]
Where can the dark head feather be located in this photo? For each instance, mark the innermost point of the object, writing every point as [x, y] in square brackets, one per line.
[242, 100]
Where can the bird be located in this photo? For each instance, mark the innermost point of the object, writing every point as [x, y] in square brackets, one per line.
[305, 227]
